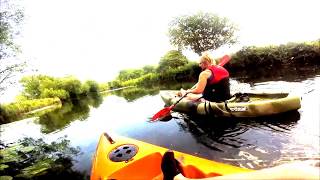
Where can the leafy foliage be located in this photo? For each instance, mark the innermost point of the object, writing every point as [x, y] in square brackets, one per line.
[173, 66]
[172, 60]
[201, 32]
[129, 74]
[186, 73]
[35, 159]
[23, 109]
[275, 62]
[149, 69]
[42, 86]
[10, 65]
[125, 75]
[270, 56]
[43, 94]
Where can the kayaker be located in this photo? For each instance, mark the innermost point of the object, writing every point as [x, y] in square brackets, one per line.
[213, 82]
[307, 170]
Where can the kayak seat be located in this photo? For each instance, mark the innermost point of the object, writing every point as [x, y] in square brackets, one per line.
[147, 167]
[240, 97]
[191, 171]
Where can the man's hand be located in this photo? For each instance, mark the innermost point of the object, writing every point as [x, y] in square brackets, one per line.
[182, 92]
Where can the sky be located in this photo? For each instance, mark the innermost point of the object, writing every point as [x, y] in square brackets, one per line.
[98, 38]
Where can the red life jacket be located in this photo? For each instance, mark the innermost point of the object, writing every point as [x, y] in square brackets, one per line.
[218, 73]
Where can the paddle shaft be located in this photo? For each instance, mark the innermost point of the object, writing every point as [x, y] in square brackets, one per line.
[172, 106]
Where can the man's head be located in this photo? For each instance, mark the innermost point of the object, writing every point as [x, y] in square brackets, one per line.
[206, 60]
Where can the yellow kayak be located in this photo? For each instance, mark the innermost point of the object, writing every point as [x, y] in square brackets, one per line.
[125, 158]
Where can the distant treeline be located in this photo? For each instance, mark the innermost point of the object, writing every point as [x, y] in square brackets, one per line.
[175, 67]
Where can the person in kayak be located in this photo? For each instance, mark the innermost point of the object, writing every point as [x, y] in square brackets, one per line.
[213, 82]
[308, 170]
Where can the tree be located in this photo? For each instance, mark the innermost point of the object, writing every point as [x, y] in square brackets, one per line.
[148, 69]
[10, 65]
[125, 75]
[43, 86]
[172, 60]
[201, 32]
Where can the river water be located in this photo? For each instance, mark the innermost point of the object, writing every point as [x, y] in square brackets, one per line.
[253, 143]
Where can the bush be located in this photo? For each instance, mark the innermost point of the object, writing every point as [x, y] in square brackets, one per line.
[13, 111]
[42, 86]
[92, 86]
[270, 56]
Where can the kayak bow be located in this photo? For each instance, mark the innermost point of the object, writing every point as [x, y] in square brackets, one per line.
[125, 158]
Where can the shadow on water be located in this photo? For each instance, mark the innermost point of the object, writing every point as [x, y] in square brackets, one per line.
[35, 159]
[76, 109]
[218, 133]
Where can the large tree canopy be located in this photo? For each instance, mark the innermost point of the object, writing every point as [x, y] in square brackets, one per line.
[10, 18]
[201, 32]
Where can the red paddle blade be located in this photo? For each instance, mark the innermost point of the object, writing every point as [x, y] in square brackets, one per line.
[162, 113]
[224, 60]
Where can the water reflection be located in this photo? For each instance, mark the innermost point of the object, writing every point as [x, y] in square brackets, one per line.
[242, 140]
[35, 159]
[281, 123]
[76, 109]
[214, 132]
[131, 94]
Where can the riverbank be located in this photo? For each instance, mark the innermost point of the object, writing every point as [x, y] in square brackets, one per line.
[27, 108]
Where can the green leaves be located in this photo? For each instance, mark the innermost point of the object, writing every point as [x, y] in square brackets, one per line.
[201, 32]
[172, 60]
[36, 159]
[42, 86]
[10, 20]
[282, 55]
[173, 66]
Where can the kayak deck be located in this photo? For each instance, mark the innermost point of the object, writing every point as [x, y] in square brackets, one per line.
[146, 163]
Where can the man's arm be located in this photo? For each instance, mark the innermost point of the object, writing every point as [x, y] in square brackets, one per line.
[201, 84]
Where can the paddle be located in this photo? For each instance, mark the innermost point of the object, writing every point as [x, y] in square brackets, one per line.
[224, 60]
[166, 111]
